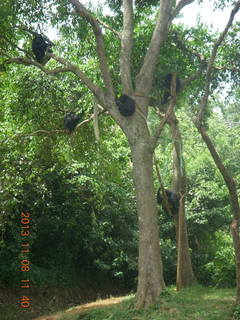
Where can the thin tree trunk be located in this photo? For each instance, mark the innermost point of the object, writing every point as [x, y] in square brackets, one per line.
[150, 277]
[232, 188]
[185, 275]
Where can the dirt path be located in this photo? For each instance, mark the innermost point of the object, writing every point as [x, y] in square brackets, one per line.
[87, 306]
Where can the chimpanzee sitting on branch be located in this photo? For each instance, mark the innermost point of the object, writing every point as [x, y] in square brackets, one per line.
[71, 120]
[41, 46]
[173, 201]
[126, 105]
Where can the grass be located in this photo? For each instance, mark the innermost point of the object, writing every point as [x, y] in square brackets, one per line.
[196, 303]
[193, 303]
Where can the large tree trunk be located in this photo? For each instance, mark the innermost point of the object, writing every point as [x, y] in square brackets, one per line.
[232, 188]
[185, 275]
[150, 277]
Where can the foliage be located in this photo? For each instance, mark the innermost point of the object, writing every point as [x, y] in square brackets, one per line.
[236, 312]
[207, 205]
[79, 197]
[221, 269]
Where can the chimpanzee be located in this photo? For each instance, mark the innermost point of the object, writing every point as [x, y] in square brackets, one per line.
[173, 201]
[126, 105]
[71, 120]
[167, 87]
[40, 47]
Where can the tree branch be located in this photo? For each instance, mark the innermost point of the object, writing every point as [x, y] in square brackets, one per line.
[224, 68]
[126, 47]
[90, 119]
[96, 90]
[181, 4]
[165, 17]
[58, 130]
[168, 112]
[15, 46]
[145, 75]
[5, 54]
[104, 24]
[204, 100]
[28, 62]
[35, 133]
[83, 12]
[196, 75]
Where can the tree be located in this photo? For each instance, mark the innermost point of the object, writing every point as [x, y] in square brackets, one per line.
[229, 180]
[185, 276]
[141, 141]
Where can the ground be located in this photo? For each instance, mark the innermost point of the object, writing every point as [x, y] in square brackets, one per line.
[87, 306]
[195, 303]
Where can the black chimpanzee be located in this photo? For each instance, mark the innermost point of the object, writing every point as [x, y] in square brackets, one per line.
[172, 198]
[41, 46]
[167, 87]
[126, 105]
[71, 120]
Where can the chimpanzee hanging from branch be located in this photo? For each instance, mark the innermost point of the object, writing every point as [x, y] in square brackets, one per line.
[167, 87]
[173, 201]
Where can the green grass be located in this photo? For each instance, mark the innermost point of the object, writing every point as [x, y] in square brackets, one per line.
[195, 303]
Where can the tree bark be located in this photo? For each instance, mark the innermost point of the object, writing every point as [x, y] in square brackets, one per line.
[150, 277]
[236, 243]
[233, 197]
[185, 275]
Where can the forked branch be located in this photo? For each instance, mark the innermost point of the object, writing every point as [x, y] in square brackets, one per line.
[84, 13]
[210, 66]
[126, 47]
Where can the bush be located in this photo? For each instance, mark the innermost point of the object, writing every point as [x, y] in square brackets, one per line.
[222, 269]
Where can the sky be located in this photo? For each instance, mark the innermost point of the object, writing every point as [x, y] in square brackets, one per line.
[217, 19]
